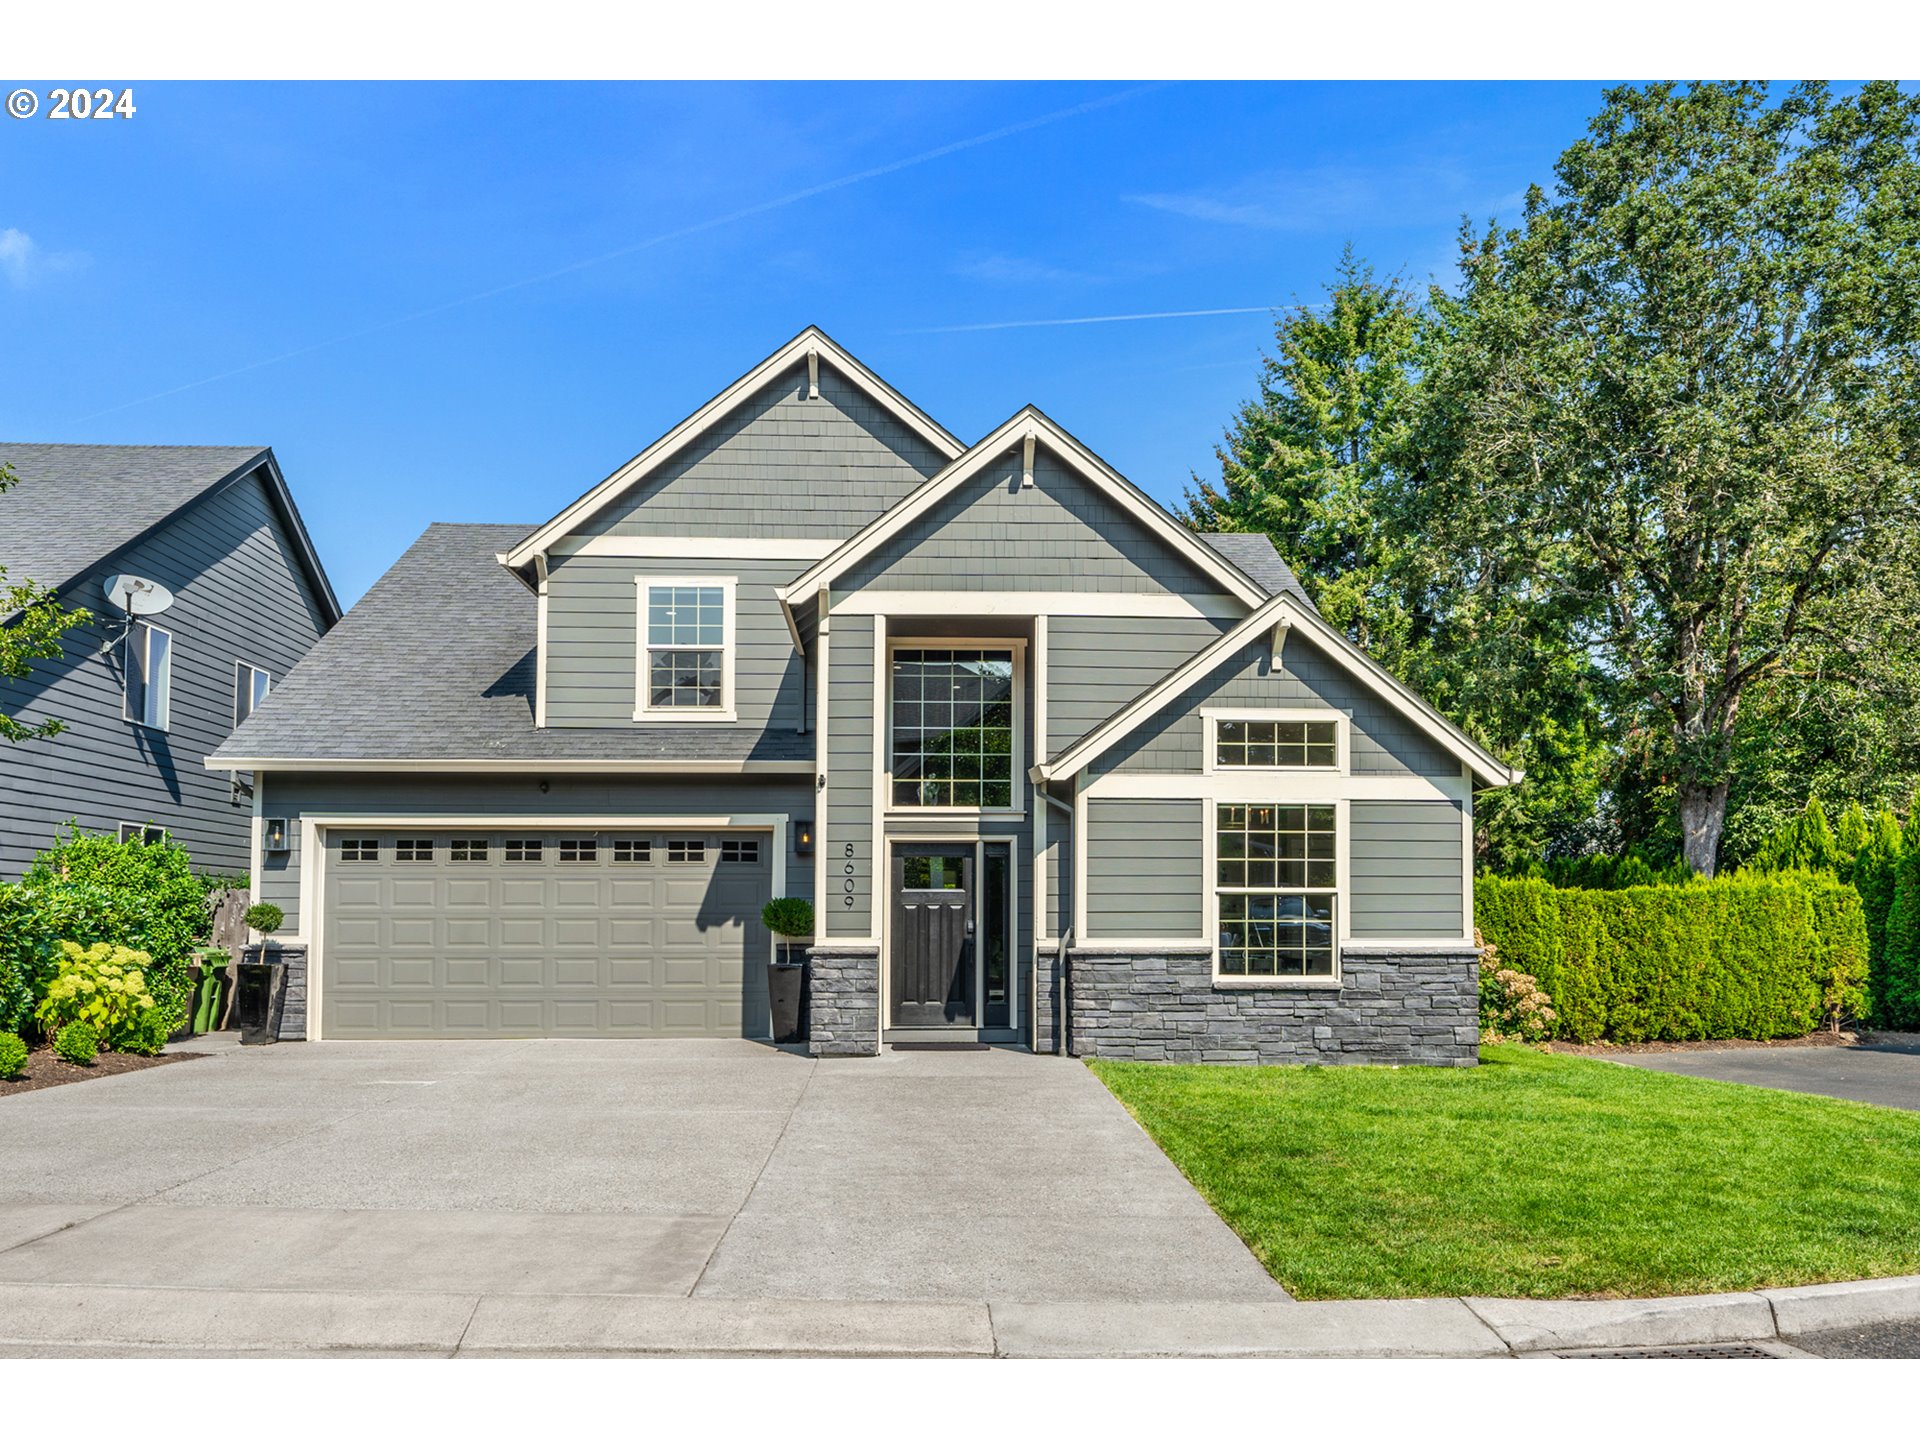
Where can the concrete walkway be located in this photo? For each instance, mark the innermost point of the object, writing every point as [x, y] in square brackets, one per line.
[1883, 1070]
[432, 1174]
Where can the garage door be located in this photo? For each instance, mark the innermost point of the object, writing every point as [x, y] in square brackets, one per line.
[559, 932]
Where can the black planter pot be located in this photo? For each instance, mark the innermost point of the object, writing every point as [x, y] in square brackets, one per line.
[786, 997]
[260, 996]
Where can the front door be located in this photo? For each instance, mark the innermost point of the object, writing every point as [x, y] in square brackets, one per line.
[932, 939]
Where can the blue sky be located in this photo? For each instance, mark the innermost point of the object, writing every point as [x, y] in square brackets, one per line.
[386, 283]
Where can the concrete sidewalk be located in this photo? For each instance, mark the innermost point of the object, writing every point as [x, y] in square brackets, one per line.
[84, 1320]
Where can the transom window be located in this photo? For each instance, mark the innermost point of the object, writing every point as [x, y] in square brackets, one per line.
[359, 849]
[632, 852]
[953, 728]
[522, 852]
[579, 852]
[1277, 877]
[413, 850]
[740, 852]
[467, 851]
[684, 624]
[1240, 744]
[686, 852]
[149, 675]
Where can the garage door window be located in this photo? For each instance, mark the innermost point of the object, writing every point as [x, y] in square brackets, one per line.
[416, 851]
[523, 851]
[579, 852]
[632, 852]
[467, 851]
[359, 849]
[686, 852]
[740, 852]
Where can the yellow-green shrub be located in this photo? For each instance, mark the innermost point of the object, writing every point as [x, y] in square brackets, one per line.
[1743, 956]
[104, 986]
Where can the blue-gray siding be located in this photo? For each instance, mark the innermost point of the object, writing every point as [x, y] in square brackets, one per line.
[1407, 881]
[1382, 741]
[1097, 663]
[1061, 534]
[848, 831]
[240, 595]
[781, 464]
[593, 639]
[501, 798]
[1145, 864]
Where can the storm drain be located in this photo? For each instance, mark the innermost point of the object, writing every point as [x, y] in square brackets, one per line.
[1678, 1352]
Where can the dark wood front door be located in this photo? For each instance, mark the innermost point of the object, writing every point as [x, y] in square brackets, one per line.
[932, 941]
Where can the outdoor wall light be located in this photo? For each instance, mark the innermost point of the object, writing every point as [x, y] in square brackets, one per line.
[273, 838]
[803, 837]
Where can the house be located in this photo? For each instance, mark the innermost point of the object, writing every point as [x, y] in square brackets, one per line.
[145, 698]
[1051, 766]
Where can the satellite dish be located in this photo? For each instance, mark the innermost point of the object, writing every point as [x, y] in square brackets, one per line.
[137, 596]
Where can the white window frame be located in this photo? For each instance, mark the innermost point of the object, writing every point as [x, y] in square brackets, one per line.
[644, 708]
[1342, 893]
[883, 685]
[129, 829]
[243, 668]
[1210, 719]
[149, 629]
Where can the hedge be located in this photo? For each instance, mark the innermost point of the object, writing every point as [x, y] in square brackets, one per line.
[1755, 957]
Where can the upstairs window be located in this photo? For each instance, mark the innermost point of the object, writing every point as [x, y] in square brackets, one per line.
[953, 729]
[686, 661]
[250, 687]
[149, 675]
[1276, 744]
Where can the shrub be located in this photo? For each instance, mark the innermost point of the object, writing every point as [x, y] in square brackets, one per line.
[266, 917]
[1745, 956]
[789, 916]
[1899, 990]
[1512, 1004]
[77, 1043]
[13, 1057]
[105, 987]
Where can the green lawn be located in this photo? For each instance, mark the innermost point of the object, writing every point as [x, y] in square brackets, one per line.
[1535, 1174]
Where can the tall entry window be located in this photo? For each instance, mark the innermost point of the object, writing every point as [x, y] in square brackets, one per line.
[953, 728]
[1277, 880]
[686, 643]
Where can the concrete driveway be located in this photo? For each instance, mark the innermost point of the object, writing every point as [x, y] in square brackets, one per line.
[651, 1168]
[1883, 1070]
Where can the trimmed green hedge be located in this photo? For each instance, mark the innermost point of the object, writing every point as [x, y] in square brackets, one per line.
[1755, 957]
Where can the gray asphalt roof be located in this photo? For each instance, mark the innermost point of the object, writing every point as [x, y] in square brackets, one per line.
[436, 662]
[77, 503]
[1260, 562]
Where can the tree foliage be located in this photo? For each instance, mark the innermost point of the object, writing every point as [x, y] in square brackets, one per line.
[32, 620]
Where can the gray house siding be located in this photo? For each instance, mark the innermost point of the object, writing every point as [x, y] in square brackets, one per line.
[1407, 869]
[240, 595]
[1057, 913]
[1097, 663]
[1062, 534]
[502, 798]
[781, 464]
[593, 638]
[1145, 864]
[1382, 742]
[847, 831]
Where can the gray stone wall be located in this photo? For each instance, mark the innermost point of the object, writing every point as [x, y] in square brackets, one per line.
[843, 1001]
[1412, 1008]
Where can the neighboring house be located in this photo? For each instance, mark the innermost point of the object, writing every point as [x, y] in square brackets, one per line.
[1046, 761]
[146, 700]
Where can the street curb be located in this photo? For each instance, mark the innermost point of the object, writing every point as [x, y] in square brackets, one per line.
[106, 1319]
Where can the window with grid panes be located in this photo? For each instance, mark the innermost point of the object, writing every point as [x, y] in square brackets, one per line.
[1276, 878]
[686, 647]
[632, 852]
[413, 849]
[1270, 744]
[952, 728]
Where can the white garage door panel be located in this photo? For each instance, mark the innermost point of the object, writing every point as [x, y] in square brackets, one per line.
[499, 947]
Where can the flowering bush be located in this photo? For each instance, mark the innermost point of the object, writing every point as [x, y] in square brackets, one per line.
[104, 986]
[1512, 1004]
[77, 1043]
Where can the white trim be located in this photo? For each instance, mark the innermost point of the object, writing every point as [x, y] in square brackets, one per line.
[643, 706]
[1080, 848]
[1149, 944]
[1181, 540]
[1317, 787]
[313, 868]
[1210, 719]
[540, 644]
[1015, 809]
[1466, 854]
[691, 547]
[787, 356]
[1039, 875]
[820, 896]
[1342, 888]
[256, 831]
[1125, 721]
[252, 704]
[880, 793]
[527, 764]
[1023, 603]
[1426, 945]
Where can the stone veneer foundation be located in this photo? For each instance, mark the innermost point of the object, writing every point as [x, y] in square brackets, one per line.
[843, 1000]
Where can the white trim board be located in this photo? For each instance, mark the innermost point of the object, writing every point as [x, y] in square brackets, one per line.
[1038, 604]
[692, 547]
[811, 341]
[1029, 421]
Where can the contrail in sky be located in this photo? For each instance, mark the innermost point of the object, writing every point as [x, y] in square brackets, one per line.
[1095, 319]
[893, 167]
